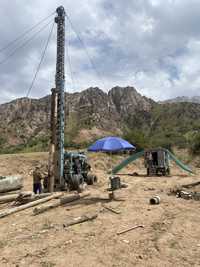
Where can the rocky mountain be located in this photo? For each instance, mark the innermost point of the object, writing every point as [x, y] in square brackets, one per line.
[180, 99]
[92, 113]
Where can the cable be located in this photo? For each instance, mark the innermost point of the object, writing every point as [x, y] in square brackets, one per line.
[39, 65]
[26, 42]
[84, 46]
[25, 33]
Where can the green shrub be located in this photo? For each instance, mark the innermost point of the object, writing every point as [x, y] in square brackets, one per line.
[3, 140]
[37, 144]
[136, 138]
[194, 144]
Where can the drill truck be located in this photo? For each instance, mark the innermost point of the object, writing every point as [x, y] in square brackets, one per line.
[67, 170]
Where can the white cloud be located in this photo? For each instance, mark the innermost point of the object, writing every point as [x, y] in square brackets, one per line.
[153, 45]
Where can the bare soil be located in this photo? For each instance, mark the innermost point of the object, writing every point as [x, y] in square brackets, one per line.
[170, 237]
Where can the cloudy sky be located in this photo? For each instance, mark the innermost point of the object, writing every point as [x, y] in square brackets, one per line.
[153, 45]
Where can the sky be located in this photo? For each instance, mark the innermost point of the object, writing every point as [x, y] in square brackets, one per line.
[152, 45]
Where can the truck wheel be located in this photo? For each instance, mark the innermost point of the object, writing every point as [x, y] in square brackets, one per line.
[91, 179]
[168, 171]
[75, 182]
[95, 179]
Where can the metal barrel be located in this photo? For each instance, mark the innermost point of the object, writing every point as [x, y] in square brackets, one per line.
[115, 183]
[154, 200]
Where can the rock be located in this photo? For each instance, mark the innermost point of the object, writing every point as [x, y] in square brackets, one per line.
[126, 241]
[92, 113]
[68, 242]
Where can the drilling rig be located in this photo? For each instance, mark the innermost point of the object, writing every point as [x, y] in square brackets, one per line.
[56, 153]
[67, 170]
[60, 91]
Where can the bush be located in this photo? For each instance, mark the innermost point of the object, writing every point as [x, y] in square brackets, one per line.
[162, 141]
[38, 144]
[136, 138]
[3, 140]
[194, 144]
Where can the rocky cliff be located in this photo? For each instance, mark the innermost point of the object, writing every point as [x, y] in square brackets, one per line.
[92, 113]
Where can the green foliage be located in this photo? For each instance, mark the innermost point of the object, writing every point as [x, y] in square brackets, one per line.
[71, 130]
[194, 144]
[161, 141]
[136, 138]
[165, 125]
[37, 144]
[3, 141]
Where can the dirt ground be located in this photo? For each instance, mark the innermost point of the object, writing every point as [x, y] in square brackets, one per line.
[170, 237]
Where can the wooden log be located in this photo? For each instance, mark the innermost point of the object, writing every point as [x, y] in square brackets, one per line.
[11, 192]
[7, 212]
[111, 209]
[191, 185]
[24, 197]
[81, 219]
[61, 201]
[13, 197]
[130, 229]
[8, 198]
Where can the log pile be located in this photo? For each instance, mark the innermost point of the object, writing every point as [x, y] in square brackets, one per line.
[22, 197]
[9, 211]
[25, 200]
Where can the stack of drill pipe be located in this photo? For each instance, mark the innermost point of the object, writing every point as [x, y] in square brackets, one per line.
[7, 212]
[61, 201]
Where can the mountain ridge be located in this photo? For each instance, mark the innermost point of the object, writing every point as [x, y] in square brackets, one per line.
[93, 113]
[193, 99]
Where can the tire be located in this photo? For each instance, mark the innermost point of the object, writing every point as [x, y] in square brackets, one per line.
[95, 179]
[168, 171]
[91, 179]
[76, 181]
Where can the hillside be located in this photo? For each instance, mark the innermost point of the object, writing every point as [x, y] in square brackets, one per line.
[92, 113]
[194, 99]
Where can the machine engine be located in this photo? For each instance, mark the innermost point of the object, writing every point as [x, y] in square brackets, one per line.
[77, 171]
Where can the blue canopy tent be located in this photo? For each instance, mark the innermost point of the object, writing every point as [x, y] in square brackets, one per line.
[111, 144]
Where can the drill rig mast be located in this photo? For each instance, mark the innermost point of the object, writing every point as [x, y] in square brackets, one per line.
[59, 182]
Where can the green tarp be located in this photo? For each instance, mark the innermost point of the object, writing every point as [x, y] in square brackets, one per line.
[179, 163]
[127, 161]
[134, 157]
